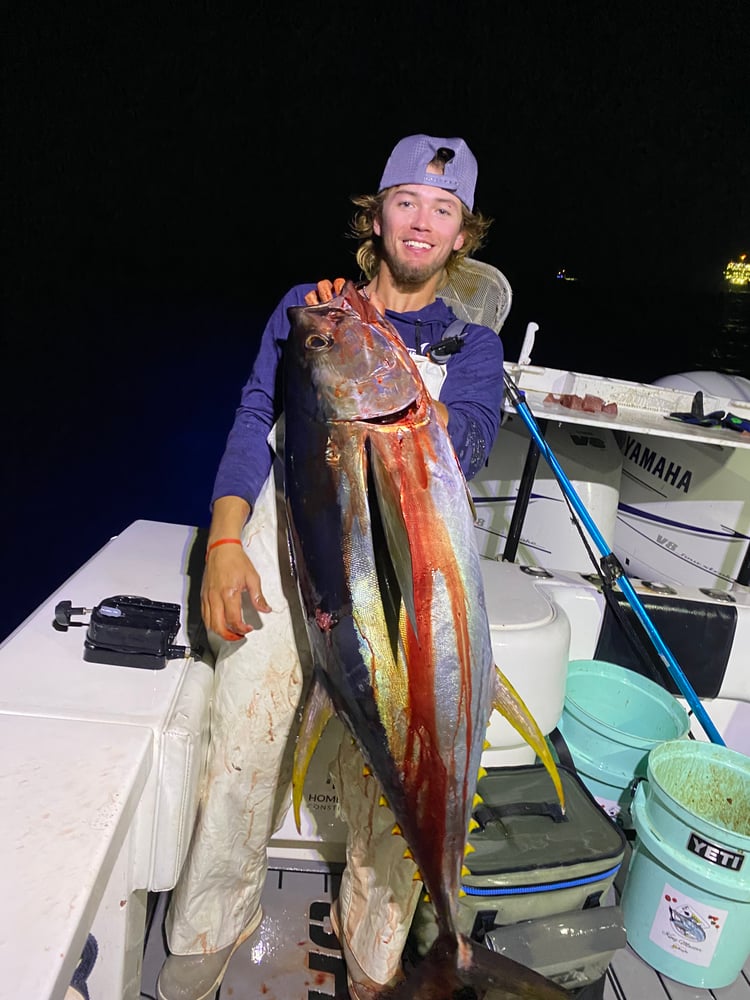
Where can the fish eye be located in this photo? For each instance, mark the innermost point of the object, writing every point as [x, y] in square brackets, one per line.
[319, 341]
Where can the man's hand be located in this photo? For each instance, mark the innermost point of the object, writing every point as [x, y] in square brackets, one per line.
[325, 291]
[228, 574]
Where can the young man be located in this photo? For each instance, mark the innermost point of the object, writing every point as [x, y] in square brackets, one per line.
[412, 233]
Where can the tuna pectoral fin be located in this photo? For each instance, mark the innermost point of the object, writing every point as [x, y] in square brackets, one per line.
[318, 710]
[487, 974]
[509, 704]
[399, 564]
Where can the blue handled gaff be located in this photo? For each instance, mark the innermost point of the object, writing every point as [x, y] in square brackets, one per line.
[687, 690]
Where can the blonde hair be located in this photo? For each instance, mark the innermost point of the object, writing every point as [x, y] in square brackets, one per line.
[474, 227]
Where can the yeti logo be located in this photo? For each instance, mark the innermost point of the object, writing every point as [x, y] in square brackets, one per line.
[720, 856]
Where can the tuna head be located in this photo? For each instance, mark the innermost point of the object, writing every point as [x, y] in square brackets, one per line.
[345, 351]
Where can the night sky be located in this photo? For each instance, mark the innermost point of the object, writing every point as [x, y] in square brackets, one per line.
[178, 148]
[171, 168]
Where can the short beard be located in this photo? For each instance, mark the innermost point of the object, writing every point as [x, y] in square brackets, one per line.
[409, 278]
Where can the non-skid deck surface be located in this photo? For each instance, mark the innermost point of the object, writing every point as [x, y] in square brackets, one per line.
[630, 978]
[294, 955]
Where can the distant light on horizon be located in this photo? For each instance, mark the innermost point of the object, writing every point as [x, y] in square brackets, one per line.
[737, 272]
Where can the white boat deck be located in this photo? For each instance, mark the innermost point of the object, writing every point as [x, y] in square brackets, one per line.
[294, 955]
[630, 978]
[85, 826]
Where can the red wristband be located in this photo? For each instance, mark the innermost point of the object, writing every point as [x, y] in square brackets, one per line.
[223, 541]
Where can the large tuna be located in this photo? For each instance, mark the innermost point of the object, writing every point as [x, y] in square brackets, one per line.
[383, 541]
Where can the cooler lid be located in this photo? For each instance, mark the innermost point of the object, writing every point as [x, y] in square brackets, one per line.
[531, 840]
[513, 600]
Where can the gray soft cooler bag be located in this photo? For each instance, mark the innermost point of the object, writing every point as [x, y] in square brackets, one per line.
[528, 860]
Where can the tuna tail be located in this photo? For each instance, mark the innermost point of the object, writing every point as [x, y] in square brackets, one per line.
[487, 975]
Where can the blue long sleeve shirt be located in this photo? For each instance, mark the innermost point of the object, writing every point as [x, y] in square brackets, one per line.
[472, 391]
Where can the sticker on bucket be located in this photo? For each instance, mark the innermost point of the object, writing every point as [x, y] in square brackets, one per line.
[611, 808]
[686, 927]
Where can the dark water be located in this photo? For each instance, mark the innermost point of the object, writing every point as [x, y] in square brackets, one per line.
[630, 333]
[115, 413]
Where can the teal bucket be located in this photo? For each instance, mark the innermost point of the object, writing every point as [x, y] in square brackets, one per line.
[612, 717]
[686, 898]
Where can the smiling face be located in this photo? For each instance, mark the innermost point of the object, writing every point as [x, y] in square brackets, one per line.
[420, 227]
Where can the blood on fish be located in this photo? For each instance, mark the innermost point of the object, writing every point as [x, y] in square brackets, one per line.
[324, 619]
[388, 545]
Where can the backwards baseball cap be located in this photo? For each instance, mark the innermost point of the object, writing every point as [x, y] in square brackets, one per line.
[408, 163]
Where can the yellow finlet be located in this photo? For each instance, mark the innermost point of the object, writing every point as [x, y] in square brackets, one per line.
[469, 849]
[474, 825]
[481, 773]
[408, 855]
[382, 801]
[478, 800]
[397, 831]
[465, 870]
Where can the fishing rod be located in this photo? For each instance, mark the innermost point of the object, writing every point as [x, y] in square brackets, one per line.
[610, 563]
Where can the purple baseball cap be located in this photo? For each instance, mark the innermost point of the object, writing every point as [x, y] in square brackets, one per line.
[408, 162]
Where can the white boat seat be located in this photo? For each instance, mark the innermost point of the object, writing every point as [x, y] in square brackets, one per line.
[478, 293]
[177, 777]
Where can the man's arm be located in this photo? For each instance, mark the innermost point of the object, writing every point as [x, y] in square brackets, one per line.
[473, 394]
[247, 457]
[244, 467]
